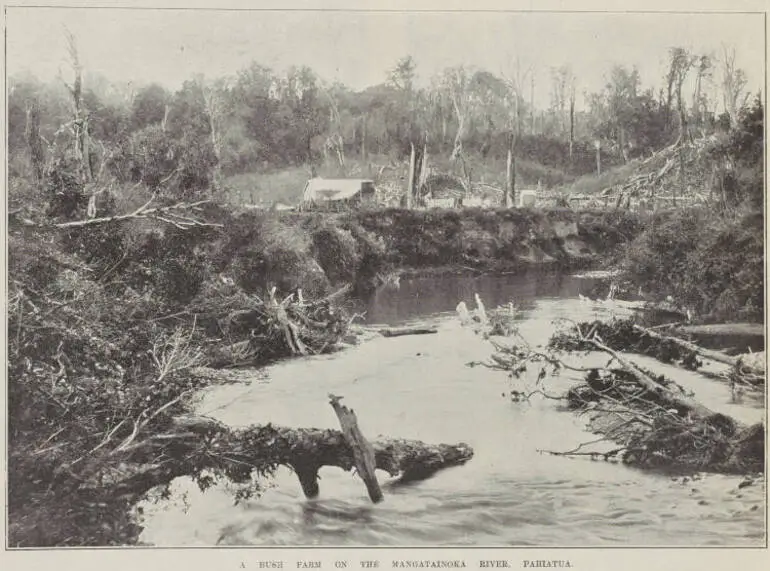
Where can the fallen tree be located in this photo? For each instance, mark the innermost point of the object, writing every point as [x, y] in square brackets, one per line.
[401, 331]
[650, 419]
[194, 445]
[627, 335]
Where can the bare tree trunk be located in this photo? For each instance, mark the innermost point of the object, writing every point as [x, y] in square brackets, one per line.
[571, 125]
[34, 141]
[532, 104]
[423, 176]
[681, 175]
[467, 173]
[363, 139]
[598, 159]
[410, 180]
[80, 120]
[696, 103]
[210, 99]
[458, 144]
[683, 137]
[443, 131]
[513, 172]
[508, 179]
[622, 137]
[163, 124]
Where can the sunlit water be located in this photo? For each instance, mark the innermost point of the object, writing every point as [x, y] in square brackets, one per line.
[420, 387]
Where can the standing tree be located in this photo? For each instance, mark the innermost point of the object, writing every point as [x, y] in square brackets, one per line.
[411, 114]
[571, 119]
[559, 86]
[457, 82]
[34, 140]
[734, 82]
[215, 96]
[699, 97]
[514, 101]
[680, 64]
[82, 139]
[681, 61]
[335, 142]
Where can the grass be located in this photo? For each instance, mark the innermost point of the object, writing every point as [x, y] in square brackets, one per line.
[285, 186]
[592, 184]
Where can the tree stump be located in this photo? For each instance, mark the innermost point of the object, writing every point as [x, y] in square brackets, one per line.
[363, 453]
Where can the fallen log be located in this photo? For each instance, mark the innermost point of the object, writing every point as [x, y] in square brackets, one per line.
[653, 420]
[398, 332]
[659, 425]
[744, 336]
[202, 443]
[671, 398]
[708, 353]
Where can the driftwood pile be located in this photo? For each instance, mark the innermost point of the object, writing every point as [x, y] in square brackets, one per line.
[652, 420]
[255, 329]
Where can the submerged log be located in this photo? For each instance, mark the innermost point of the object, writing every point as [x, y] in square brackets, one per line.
[398, 332]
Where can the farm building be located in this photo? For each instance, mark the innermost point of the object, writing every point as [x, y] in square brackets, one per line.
[337, 193]
[440, 202]
[527, 198]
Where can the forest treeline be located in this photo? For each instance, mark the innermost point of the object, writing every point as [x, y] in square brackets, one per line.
[261, 119]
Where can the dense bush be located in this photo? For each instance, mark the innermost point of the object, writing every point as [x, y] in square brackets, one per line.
[711, 259]
[712, 265]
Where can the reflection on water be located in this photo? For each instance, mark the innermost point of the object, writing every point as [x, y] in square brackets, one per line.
[420, 387]
[423, 297]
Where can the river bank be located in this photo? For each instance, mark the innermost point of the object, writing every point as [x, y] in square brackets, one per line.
[108, 322]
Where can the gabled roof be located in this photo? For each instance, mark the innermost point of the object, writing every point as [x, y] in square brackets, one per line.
[333, 189]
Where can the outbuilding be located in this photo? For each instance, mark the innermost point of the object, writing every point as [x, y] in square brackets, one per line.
[338, 193]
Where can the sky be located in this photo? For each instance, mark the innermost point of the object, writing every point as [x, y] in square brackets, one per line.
[358, 48]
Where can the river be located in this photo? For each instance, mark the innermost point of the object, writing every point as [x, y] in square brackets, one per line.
[420, 387]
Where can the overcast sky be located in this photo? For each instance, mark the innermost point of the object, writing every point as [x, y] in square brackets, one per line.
[357, 48]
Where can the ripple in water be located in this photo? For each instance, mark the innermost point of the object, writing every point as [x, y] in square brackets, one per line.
[420, 387]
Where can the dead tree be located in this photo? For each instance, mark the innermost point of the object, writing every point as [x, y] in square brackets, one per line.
[458, 85]
[213, 100]
[80, 125]
[733, 85]
[513, 103]
[680, 65]
[35, 141]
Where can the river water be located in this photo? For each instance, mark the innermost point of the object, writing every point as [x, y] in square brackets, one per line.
[420, 387]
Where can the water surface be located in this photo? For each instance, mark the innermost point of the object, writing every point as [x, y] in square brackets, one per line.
[420, 387]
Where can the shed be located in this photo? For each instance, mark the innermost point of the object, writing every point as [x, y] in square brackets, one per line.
[338, 192]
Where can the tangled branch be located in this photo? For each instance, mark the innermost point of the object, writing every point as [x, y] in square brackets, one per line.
[174, 214]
